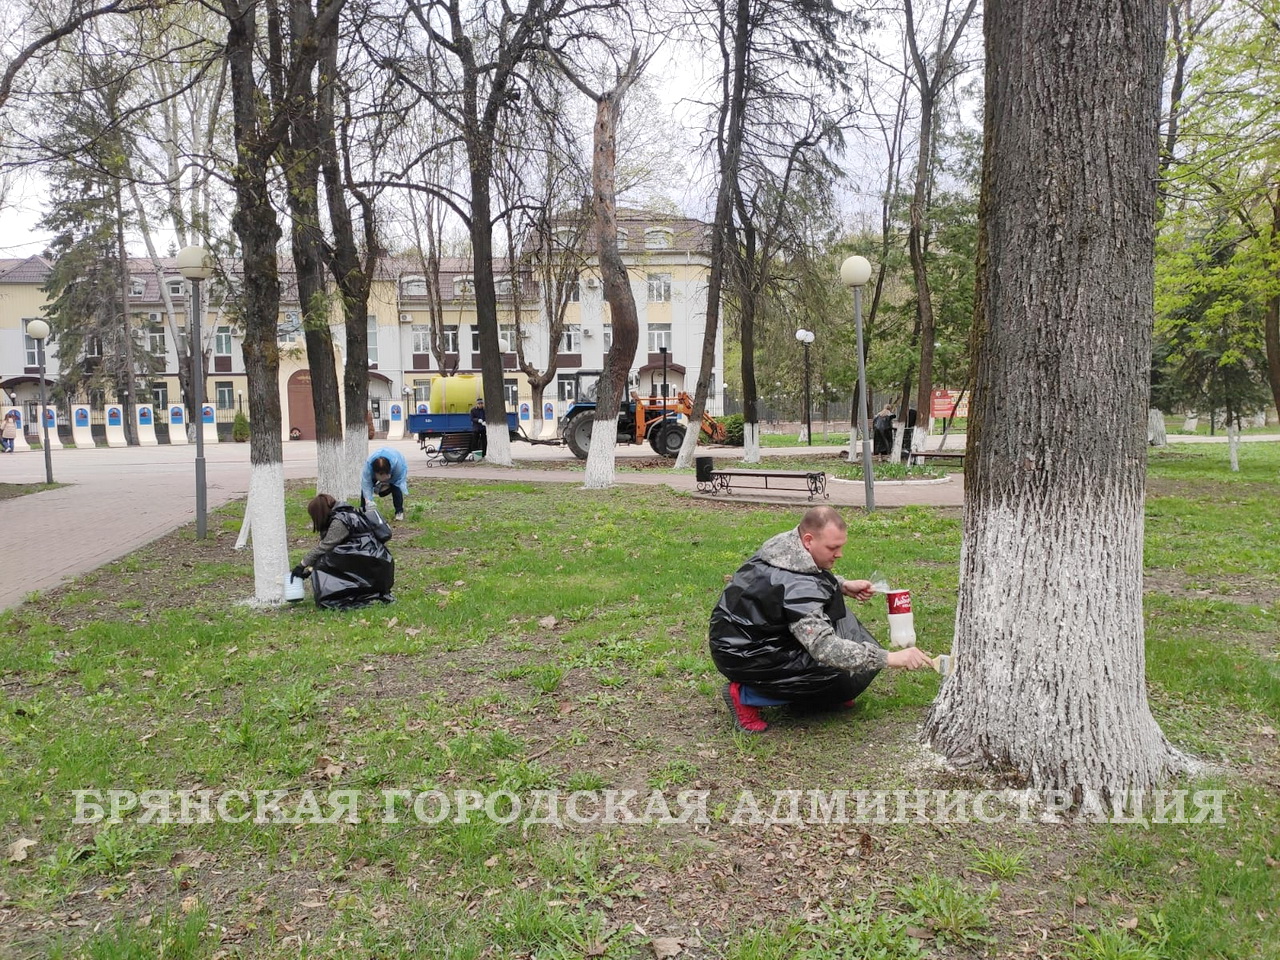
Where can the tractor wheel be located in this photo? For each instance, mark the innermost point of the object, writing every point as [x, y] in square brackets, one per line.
[577, 433]
[670, 440]
[655, 434]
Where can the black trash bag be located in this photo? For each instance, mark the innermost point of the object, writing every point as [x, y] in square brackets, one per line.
[377, 525]
[356, 572]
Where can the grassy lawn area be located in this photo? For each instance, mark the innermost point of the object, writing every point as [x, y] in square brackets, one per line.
[547, 640]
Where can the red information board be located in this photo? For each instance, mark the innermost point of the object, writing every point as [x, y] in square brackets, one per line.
[941, 403]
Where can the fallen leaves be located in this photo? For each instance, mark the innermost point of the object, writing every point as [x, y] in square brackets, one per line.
[666, 947]
[18, 849]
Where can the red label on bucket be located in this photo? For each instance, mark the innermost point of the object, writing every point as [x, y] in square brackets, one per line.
[899, 601]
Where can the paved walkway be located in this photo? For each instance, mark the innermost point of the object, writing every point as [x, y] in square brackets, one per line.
[117, 500]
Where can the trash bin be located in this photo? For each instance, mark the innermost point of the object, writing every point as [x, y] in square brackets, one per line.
[702, 468]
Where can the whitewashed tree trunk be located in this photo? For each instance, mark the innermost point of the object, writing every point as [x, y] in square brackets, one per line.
[1050, 672]
[601, 454]
[331, 466]
[899, 436]
[919, 438]
[751, 443]
[803, 436]
[1190, 423]
[355, 452]
[270, 538]
[498, 443]
[1156, 436]
[1233, 444]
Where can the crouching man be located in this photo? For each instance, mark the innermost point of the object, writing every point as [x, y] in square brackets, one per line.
[781, 634]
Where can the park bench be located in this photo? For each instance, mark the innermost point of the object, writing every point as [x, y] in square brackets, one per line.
[921, 457]
[713, 481]
[449, 448]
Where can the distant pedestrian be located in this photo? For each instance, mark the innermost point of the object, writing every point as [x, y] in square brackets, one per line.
[385, 473]
[8, 433]
[479, 428]
[882, 432]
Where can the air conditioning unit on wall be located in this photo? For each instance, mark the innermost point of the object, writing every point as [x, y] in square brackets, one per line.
[593, 283]
[588, 332]
[406, 318]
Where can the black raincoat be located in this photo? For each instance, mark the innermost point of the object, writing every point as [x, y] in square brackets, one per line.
[752, 643]
[357, 571]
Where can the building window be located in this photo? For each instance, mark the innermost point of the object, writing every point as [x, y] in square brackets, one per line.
[413, 287]
[573, 291]
[475, 339]
[657, 238]
[137, 286]
[290, 327]
[450, 338]
[511, 393]
[421, 337]
[622, 238]
[92, 347]
[177, 288]
[33, 354]
[373, 341]
[566, 386]
[160, 394]
[156, 344]
[507, 335]
[464, 287]
[222, 342]
[503, 287]
[659, 337]
[571, 341]
[225, 393]
[421, 391]
[607, 336]
[659, 288]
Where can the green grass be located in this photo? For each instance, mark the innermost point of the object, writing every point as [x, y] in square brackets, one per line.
[553, 639]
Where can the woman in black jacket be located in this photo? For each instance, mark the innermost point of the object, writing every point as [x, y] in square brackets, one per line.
[351, 566]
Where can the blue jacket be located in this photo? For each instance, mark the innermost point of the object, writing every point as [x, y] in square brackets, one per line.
[399, 471]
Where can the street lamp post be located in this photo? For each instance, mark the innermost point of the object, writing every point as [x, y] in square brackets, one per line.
[855, 272]
[193, 263]
[806, 337]
[663, 351]
[38, 331]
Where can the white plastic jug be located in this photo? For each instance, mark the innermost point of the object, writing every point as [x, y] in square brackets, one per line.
[902, 627]
[293, 591]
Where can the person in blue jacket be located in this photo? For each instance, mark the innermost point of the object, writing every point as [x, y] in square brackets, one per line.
[385, 472]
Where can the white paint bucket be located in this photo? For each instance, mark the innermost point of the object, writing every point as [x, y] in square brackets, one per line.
[293, 591]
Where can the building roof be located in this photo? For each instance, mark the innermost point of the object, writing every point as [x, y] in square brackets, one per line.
[33, 269]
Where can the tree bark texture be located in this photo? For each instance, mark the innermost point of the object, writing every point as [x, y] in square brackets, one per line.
[1271, 319]
[1050, 677]
[729, 134]
[617, 292]
[255, 224]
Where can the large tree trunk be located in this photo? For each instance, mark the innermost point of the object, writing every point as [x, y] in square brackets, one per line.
[351, 274]
[1050, 677]
[1271, 319]
[255, 224]
[617, 291]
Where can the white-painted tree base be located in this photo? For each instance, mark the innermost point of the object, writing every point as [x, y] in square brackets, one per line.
[270, 537]
[1233, 445]
[1156, 435]
[331, 467]
[601, 454]
[355, 453]
[1050, 669]
[498, 444]
[751, 443]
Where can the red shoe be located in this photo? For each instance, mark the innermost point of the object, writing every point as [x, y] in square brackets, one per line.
[747, 719]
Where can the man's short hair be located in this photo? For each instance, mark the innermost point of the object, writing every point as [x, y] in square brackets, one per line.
[817, 519]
